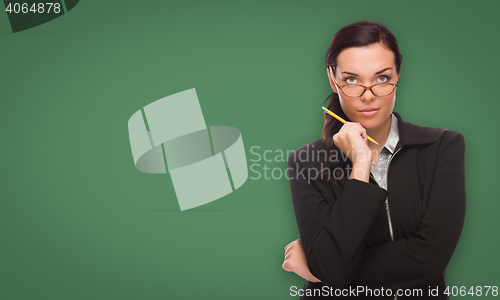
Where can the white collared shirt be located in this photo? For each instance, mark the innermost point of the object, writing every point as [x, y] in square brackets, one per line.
[387, 150]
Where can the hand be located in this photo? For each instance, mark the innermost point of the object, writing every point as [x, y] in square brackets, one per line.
[353, 141]
[296, 261]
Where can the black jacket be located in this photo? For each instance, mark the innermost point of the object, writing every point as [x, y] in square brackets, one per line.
[346, 233]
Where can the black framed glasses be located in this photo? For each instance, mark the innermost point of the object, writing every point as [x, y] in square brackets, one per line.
[358, 90]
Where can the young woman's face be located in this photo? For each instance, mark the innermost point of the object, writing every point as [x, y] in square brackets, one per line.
[366, 66]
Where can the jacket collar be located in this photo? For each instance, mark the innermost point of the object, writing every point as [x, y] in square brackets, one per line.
[410, 134]
[393, 137]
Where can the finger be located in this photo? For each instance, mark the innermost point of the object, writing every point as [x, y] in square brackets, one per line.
[362, 131]
[356, 131]
[289, 244]
[288, 249]
[359, 126]
[286, 266]
[363, 134]
[348, 125]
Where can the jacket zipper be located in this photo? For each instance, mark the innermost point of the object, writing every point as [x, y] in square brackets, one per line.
[389, 218]
[387, 203]
[387, 199]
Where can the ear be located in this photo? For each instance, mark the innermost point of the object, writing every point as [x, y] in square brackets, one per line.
[329, 71]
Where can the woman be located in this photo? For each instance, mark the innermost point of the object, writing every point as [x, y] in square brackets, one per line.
[386, 233]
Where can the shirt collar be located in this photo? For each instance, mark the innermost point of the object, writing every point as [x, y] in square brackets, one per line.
[393, 137]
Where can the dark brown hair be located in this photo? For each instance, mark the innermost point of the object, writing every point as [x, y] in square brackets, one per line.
[359, 34]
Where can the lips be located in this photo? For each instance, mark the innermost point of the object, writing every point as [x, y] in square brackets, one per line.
[369, 109]
[369, 112]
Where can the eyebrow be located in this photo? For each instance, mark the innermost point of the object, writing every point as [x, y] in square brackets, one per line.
[381, 71]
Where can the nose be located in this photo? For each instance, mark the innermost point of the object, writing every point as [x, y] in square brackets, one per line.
[368, 96]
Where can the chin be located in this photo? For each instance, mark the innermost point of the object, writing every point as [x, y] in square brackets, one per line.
[371, 123]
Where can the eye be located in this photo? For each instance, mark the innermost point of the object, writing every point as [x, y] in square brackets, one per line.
[383, 78]
[350, 80]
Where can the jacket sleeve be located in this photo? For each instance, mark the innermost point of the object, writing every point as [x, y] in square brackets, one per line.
[424, 257]
[333, 236]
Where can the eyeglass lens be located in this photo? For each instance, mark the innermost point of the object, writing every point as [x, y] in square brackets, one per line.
[378, 90]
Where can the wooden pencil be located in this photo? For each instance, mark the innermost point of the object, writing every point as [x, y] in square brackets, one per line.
[343, 121]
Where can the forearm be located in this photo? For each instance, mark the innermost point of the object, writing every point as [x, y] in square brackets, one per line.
[334, 237]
